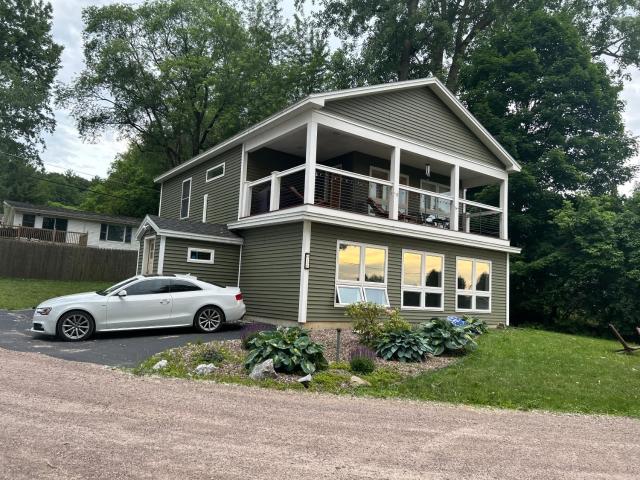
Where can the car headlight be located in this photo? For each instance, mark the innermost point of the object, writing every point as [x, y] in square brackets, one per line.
[43, 310]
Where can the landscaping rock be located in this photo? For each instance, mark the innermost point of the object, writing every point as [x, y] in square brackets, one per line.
[355, 381]
[263, 370]
[160, 365]
[205, 368]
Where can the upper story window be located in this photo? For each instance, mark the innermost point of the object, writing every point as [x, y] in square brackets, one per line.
[361, 274]
[28, 220]
[422, 280]
[200, 255]
[185, 199]
[215, 172]
[115, 233]
[49, 223]
[473, 287]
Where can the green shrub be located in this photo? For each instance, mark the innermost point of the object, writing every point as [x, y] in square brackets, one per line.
[395, 323]
[290, 348]
[403, 345]
[210, 354]
[474, 325]
[442, 335]
[362, 360]
[366, 317]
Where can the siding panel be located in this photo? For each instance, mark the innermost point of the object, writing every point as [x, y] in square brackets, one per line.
[270, 275]
[222, 204]
[430, 121]
[322, 272]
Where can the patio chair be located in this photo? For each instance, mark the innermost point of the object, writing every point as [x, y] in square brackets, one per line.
[377, 209]
[626, 348]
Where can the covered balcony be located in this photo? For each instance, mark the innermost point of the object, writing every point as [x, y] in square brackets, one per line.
[317, 164]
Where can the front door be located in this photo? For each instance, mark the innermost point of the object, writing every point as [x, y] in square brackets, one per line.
[148, 303]
[148, 255]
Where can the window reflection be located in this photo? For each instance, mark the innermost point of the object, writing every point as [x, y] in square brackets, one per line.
[349, 263]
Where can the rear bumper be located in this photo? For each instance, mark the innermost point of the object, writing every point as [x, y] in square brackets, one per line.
[235, 313]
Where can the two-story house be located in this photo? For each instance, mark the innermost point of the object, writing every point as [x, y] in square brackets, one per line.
[356, 195]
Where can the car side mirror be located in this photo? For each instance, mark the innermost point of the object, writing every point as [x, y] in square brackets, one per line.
[122, 293]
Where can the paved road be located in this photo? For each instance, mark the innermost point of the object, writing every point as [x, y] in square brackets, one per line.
[115, 348]
[67, 420]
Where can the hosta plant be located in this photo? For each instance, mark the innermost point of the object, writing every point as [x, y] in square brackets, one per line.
[290, 348]
[403, 345]
[474, 325]
[444, 335]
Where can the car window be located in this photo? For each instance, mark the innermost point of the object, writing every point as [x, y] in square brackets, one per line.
[149, 287]
[183, 286]
[117, 286]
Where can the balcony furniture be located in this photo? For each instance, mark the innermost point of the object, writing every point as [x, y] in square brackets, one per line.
[626, 348]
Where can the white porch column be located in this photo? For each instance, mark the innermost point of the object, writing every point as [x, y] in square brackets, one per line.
[310, 171]
[244, 203]
[394, 176]
[455, 197]
[504, 205]
[274, 200]
[467, 220]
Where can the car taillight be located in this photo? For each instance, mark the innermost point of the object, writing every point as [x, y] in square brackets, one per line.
[239, 296]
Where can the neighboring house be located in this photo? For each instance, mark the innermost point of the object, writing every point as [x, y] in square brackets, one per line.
[362, 194]
[64, 225]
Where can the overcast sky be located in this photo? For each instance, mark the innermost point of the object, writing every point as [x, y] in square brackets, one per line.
[66, 150]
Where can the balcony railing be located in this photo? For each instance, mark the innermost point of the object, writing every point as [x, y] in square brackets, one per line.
[277, 191]
[43, 235]
[424, 208]
[479, 219]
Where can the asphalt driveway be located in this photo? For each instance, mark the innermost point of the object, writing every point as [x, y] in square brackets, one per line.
[125, 349]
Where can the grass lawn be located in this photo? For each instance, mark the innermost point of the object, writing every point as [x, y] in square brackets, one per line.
[19, 293]
[512, 368]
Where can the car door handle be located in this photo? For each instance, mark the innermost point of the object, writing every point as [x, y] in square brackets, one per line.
[165, 301]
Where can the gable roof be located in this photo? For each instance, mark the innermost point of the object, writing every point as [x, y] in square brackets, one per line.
[317, 100]
[208, 232]
[70, 213]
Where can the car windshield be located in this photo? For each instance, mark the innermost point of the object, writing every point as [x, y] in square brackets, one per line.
[115, 287]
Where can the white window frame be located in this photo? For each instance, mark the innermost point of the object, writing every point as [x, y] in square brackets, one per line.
[422, 289]
[205, 205]
[473, 293]
[124, 235]
[206, 175]
[182, 197]
[204, 250]
[362, 284]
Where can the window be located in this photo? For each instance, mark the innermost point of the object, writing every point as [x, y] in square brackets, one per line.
[185, 199]
[473, 285]
[422, 280]
[115, 233]
[205, 202]
[60, 224]
[28, 220]
[380, 194]
[215, 172]
[435, 204]
[361, 274]
[183, 286]
[149, 287]
[200, 255]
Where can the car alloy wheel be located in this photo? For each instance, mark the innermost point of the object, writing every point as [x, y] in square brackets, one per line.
[76, 326]
[209, 319]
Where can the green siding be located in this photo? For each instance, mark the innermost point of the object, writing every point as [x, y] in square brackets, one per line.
[323, 264]
[222, 204]
[270, 272]
[223, 271]
[418, 114]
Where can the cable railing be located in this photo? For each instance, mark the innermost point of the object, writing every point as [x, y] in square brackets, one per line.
[422, 207]
[479, 219]
[19, 232]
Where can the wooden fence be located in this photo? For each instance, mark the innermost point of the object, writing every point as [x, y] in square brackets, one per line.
[51, 261]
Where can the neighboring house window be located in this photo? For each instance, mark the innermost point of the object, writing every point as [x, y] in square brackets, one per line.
[185, 199]
[473, 289]
[115, 233]
[28, 220]
[49, 223]
[361, 274]
[200, 255]
[422, 280]
[215, 172]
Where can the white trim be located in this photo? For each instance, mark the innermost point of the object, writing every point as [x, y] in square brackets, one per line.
[358, 176]
[362, 283]
[239, 265]
[422, 289]
[160, 202]
[206, 174]
[163, 244]
[508, 281]
[304, 273]
[310, 162]
[138, 257]
[203, 250]
[205, 204]
[504, 207]
[377, 224]
[262, 139]
[473, 293]
[244, 158]
[145, 252]
[480, 205]
[182, 197]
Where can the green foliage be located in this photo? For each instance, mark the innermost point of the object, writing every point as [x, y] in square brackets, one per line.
[290, 348]
[442, 335]
[395, 322]
[362, 365]
[403, 345]
[366, 318]
[474, 325]
[209, 353]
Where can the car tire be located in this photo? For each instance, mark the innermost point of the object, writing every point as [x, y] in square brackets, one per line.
[75, 326]
[209, 319]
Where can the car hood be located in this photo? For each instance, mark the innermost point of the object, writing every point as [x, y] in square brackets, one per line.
[75, 298]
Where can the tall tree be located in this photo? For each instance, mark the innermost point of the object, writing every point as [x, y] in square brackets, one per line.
[29, 61]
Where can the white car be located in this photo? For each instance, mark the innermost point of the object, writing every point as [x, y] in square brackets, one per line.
[141, 302]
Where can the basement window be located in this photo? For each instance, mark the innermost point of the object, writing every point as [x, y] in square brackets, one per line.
[361, 274]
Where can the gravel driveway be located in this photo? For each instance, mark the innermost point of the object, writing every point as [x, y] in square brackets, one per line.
[67, 420]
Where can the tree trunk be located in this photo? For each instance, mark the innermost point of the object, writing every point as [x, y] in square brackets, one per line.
[407, 43]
